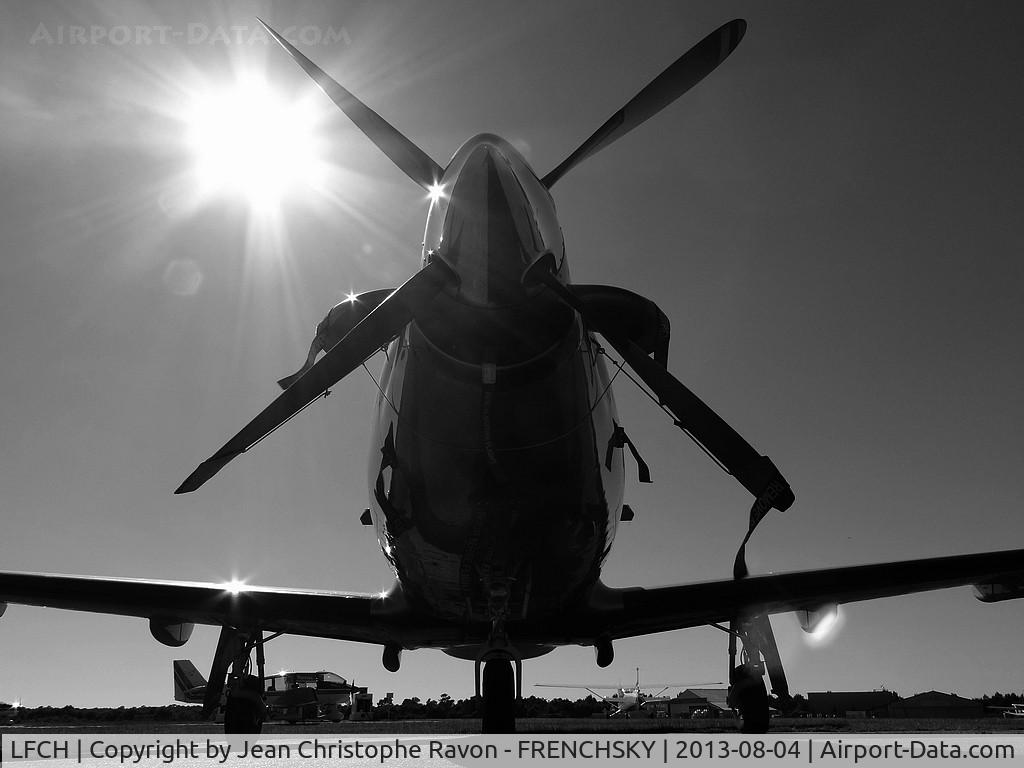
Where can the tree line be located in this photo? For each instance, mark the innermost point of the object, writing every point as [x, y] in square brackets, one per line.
[444, 707]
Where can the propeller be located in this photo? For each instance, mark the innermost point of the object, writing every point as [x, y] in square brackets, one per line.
[412, 160]
[688, 70]
[378, 328]
[756, 473]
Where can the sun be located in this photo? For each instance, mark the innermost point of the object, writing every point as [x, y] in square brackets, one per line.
[250, 143]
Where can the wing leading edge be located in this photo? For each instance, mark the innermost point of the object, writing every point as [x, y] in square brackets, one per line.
[619, 613]
[380, 619]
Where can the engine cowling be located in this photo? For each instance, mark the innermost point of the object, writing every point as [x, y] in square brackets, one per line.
[637, 318]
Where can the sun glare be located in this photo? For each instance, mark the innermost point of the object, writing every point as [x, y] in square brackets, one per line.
[234, 587]
[250, 143]
[435, 192]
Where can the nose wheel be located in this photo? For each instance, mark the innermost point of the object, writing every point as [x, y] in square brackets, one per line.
[499, 695]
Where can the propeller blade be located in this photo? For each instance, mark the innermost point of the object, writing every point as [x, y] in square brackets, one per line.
[377, 329]
[416, 164]
[756, 473]
[688, 70]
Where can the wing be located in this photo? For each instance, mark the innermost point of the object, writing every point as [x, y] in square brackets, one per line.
[581, 687]
[996, 576]
[344, 616]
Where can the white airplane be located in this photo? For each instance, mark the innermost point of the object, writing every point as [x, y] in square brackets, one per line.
[498, 469]
[626, 700]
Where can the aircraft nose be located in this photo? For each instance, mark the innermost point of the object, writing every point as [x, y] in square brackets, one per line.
[488, 229]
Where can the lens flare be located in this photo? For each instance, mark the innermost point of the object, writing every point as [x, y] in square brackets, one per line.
[820, 624]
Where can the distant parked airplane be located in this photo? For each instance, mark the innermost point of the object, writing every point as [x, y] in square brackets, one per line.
[626, 700]
[290, 696]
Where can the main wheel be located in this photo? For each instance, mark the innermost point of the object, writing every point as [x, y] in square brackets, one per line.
[243, 716]
[750, 699]
[499, 692]
[244, 710]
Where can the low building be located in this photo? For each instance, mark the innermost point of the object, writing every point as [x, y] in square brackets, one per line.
[850, 703]
[935, 704]
[697, 702]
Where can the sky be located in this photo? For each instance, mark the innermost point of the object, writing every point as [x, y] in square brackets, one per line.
[831, 221]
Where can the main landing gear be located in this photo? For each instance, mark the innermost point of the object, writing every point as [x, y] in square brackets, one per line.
[243, 702]
[748, 697]
[760, 654]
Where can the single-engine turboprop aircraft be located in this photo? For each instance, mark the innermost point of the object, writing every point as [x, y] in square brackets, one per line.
[290, 696]
[623, 700]
[497, 470]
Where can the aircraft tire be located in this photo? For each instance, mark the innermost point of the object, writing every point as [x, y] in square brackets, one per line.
[499, 696]
[749, 697]
[243, 716]
[244, 710]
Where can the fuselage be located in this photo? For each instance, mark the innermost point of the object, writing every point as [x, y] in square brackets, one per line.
[493, 497]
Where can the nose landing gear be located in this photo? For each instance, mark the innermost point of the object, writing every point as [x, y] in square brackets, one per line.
[500, 687]
[499, 694]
